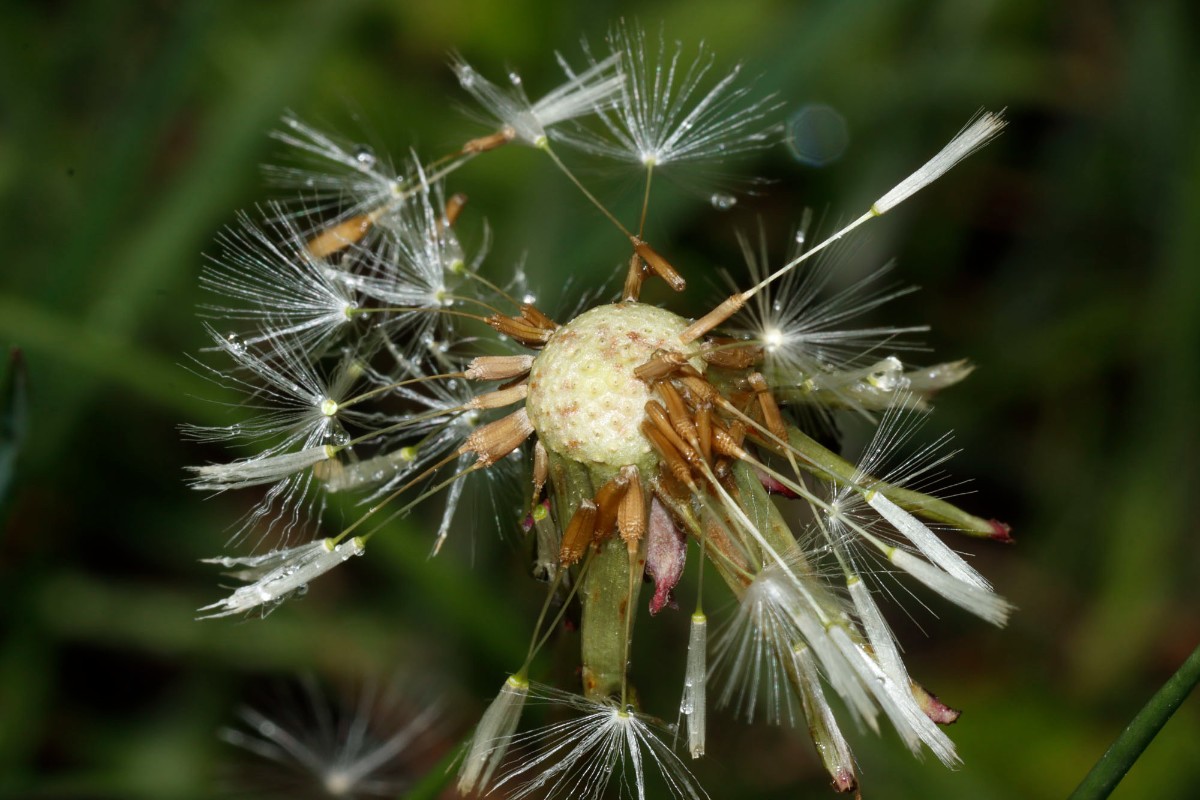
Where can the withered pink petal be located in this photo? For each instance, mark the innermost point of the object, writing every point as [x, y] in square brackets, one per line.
[934, 708]
[844, 781]
[1001, 532]
[666, 553]
[773, 486]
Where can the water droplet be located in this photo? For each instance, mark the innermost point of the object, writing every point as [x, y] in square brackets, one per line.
[267, 728]
[800, 236]
[888, 375]
[817, 135]
[309, 182]
[337, 437]
[529, 298]
[235, 343]
[723, 202]
[514, 78]
[365, 156]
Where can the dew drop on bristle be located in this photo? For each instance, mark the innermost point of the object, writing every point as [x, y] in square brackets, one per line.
[365, 156]
[235, 343]
[529, 298]
[514, 78]
[337, 437]
[723, 202]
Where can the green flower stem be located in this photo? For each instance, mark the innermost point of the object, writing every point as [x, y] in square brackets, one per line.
[604, 592]
[607, 605]
[1128, 747]
[826, 464]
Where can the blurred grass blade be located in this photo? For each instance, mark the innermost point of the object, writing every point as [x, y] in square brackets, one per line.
[14, 418]
[1128, 747]
[439, 775]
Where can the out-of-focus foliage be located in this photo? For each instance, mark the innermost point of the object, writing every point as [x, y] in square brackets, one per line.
[1064, 260]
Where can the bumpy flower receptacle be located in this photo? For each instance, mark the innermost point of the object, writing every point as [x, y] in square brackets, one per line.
[584, 400]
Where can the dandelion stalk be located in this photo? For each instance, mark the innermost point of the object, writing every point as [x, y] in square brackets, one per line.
[609, 602]
[1141, 730]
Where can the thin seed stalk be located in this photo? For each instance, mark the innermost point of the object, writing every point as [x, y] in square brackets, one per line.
[827, 465]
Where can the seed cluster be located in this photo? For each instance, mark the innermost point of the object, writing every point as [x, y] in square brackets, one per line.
[383, 362]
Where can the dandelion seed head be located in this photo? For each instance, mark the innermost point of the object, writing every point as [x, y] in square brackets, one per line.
[315, 745]
[371, 356]
[580, 756]
[583, 93]
[671, 111]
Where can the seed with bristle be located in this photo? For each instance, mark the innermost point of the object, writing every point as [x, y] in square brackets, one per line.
[579, 533]
[520, 329]
[340, 236]
[497, 368]
[631, 516]
[495, 440]
[659, 265]
[499, 398]
[608, 503]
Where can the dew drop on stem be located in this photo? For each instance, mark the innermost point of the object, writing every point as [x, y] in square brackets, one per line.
[723, 202]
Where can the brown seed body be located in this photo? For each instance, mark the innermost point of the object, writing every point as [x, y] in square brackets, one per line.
[339, 237]
[495, 440]
[497, 368]
[579, 533]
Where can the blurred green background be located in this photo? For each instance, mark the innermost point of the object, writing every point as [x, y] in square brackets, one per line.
[1062, 260]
